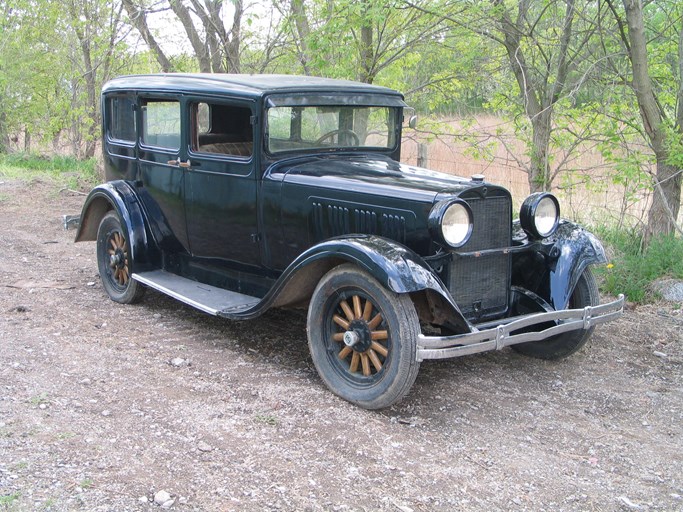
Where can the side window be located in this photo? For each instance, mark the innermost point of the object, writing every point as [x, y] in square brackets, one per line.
[161, 124]
[222, 129]
[121, 118]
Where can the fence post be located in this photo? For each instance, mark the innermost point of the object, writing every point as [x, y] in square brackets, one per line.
[422, 155]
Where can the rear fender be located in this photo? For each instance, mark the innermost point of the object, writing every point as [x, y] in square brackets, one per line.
[574, 250]
[396, 267]
[119, 196]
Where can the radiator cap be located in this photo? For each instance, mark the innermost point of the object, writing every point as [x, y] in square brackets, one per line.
[478, 178]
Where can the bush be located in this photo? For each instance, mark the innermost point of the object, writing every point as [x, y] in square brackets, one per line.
[65, 170]
[632, 269]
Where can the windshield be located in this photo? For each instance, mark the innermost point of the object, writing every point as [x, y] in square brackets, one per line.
[292, 128]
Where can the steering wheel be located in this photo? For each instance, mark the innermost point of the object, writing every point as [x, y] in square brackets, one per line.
[355, 140]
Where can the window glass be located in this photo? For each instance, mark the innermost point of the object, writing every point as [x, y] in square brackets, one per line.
[222, 129]
[327, 127]
[122, 118]
[161, 124]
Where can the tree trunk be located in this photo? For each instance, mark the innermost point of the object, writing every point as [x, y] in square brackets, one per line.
[27, 140]
[666, 200]
[4, 136]
[139, 20]
[303, 31]
[199, 47]
[539, 165]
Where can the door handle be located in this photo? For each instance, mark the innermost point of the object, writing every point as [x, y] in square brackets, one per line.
[184, 164]
[172, 162]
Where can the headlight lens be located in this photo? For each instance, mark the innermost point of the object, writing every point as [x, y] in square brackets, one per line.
[451, 222]
[540, 214]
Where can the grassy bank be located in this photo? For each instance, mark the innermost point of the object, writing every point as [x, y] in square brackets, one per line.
[632, 269]
[65, 171]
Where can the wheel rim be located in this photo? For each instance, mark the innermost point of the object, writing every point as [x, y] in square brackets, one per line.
[117, 252]
[359, 339]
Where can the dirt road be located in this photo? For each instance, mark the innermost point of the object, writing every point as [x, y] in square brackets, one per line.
[102, 406]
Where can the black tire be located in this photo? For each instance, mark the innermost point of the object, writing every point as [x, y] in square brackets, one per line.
[381, 367]
[114, 262]
[563, 345]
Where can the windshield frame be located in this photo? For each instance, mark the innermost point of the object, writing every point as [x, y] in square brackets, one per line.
[345, 107]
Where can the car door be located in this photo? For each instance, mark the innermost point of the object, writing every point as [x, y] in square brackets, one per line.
[221, 184]
[161, 183]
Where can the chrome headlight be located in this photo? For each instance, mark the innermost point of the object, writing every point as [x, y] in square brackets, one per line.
[450, 222]
[540, 214]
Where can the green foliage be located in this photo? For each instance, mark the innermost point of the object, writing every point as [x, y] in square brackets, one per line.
[65, 171]
[632, 269]
[6, 500]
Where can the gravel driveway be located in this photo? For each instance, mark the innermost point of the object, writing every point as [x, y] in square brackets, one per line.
[104, 406]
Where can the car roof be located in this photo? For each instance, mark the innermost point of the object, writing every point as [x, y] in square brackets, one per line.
[244, 85]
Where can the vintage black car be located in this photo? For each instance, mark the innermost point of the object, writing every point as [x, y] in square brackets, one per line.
[240, 193]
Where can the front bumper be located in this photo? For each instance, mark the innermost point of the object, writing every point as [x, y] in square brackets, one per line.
[502, 335]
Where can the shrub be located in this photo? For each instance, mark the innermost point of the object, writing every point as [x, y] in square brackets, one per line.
[632, 268]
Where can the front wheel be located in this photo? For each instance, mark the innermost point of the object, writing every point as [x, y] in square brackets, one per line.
[563, 345]
[363, 338]
[114, 261]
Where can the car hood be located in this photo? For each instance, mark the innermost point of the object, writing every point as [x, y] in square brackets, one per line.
[373, 175]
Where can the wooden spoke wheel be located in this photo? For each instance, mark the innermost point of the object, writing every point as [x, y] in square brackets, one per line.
[114, 261]
[363, 338]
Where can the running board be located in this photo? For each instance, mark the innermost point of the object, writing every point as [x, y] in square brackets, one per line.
[206, 298]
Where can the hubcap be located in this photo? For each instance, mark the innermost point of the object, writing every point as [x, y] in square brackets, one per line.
[365, 339]
[118, 259]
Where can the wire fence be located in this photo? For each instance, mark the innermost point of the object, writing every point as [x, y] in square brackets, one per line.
[588, 194]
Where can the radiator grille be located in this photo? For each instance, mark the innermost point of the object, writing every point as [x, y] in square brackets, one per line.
[481, 285]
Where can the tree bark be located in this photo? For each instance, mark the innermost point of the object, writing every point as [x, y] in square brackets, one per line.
[200, 48]
[303, 31]
[666, 199]
[139, 20]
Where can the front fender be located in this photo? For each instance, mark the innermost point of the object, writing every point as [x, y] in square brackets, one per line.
[396, 267]
[574, 250]
[120, 196]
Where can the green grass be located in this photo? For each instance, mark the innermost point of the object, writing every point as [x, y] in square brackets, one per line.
[632, 269]
[66, 171]
[7, 500]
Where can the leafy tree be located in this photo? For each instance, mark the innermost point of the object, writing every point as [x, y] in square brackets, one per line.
[651, 36]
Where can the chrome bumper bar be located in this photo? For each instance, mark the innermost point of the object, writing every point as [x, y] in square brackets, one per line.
[501, 336]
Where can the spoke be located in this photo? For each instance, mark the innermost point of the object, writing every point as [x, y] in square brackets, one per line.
[345, 352]
[338, 336]
[111, 252]
[380, 349]
[366, 364]
[375, 321]
[124, 273]
[355, 359]
[375, 360]
[367, 311]
[113, 243]
[379, 335]
[341, 322]
[347, 310]
[125, 245]
[116, 275]
[356, 307]
[117, 238]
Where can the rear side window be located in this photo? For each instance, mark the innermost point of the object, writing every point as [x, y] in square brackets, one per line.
[161, 124]
[122, 118]
[222, 129]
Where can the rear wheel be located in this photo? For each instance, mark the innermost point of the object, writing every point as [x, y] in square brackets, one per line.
[114, 261]
[557, 347]
[363, 338]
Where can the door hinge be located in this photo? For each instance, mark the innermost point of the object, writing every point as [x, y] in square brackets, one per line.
[255, 237]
